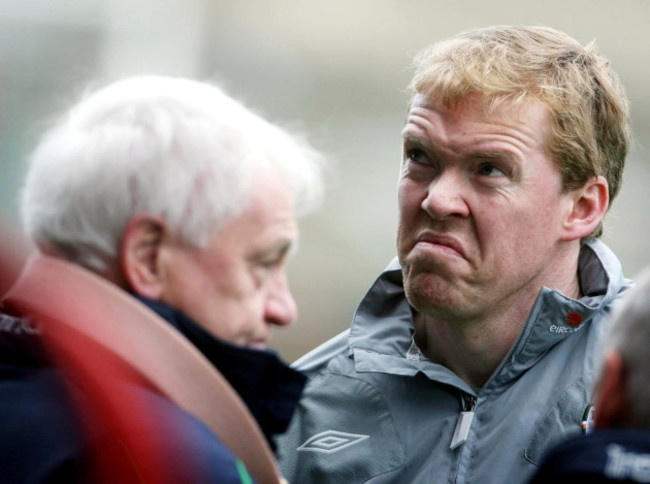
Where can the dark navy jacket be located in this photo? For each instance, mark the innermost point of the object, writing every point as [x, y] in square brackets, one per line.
[605, 455]
[41, 436]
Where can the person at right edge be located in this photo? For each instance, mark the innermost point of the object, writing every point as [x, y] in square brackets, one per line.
[617, 449]
[474, 351]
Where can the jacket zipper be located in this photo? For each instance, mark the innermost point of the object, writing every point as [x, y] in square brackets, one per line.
[468, 402]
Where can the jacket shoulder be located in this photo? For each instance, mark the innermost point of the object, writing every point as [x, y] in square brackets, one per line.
[318, 358]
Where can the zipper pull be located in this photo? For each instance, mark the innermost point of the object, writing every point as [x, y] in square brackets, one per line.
[464, 421]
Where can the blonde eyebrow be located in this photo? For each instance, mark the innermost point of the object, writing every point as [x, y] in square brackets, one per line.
[406, 136]
[416, 140]
[490, 155]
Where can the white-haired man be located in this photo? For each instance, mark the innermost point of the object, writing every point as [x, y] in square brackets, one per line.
[473, 351]
[617, 445]
[177, 194]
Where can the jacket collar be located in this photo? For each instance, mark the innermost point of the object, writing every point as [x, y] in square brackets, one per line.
[382, 328]
[269, 388]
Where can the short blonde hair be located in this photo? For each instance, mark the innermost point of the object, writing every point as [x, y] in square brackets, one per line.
[588, 132]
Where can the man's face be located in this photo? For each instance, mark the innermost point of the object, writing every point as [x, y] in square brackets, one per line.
[237, 287]
[481, 208]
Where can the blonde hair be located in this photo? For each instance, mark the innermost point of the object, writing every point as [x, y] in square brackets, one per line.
[588, 110]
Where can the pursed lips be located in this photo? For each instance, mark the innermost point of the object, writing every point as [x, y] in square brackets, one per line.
[443, 240]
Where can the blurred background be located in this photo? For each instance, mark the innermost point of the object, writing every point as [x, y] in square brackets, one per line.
[336, 70]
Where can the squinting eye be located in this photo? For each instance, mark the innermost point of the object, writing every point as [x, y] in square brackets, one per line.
[416, 155]
[489, 169]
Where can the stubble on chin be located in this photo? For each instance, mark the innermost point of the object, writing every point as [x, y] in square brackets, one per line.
[421, 293]
[430, 292]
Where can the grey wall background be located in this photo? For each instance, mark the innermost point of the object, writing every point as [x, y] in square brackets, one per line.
[336, 69]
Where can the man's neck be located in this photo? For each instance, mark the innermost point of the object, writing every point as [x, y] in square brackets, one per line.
[473, 349]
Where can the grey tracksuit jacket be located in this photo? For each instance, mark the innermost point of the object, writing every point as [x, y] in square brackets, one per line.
[377, 411]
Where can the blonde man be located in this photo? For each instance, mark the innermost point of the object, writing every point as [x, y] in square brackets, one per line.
[474, 349]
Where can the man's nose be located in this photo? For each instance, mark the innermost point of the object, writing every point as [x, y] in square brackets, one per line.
[446, 196]
[281, 308]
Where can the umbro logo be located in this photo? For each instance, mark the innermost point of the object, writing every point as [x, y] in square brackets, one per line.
[331, 441]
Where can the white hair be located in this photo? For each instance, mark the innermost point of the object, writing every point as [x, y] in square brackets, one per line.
[174, 148]
[630, 337]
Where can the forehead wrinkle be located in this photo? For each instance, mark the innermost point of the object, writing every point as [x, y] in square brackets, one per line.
[433, 140]
[409, 137]
[419, 130]
[507, 127]
[481, 109]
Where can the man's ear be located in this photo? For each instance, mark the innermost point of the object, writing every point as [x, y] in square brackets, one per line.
[588, 207]
[140, 255]
[610, 401]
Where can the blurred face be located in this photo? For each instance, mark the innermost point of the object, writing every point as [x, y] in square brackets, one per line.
[236, 288]
[480, 207]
